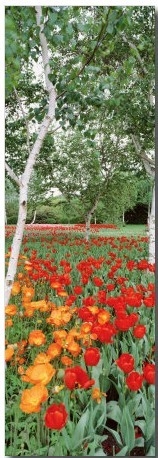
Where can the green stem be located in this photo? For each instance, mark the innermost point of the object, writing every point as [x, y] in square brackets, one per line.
[38, 431]
[16, 418]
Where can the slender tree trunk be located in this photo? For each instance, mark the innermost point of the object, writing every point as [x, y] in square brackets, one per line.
[24, 181]
[123, 217]
[16, 243]
[88, 219]
[88, 223]
[17, 240]
[5, 217]
[95, 220]
[149, 211]
[34, 217]
[152, 230]
[149, 165]
[148, 218]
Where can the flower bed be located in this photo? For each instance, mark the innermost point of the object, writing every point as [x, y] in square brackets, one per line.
[80, 346]
[60, 227]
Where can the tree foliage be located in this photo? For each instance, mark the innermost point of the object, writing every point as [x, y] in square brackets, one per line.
[102, 68]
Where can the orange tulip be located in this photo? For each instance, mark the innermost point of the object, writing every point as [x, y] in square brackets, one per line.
[86, 335]
[20, 275]
[15, 288]
[52, 306]
[74, 333]
[93, 309]
[42, 358]
[37, 305]
[103, 317]
[11, 310]
[39, 373]
[9, 352]
[60, 335]
[28, 293]
[54, 350]
[28, 266]
[36, 338]
[97, 394]
[85, 328]
[32, 398]
[74, 348]
[29, 312]
[45, 307]
[8, 323]
[55, 284]
[62, 293]
[66, 361]
[59, 316]
[26, 304]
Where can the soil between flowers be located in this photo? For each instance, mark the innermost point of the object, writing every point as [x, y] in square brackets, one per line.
[110, 447]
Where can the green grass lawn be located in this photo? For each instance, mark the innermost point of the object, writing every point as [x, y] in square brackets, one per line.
[128, 230]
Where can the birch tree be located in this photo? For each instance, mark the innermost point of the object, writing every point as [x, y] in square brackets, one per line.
[66, 36]
[132, 96]
[23, 181]
[82, 167]
[149, 165]
[72, 39]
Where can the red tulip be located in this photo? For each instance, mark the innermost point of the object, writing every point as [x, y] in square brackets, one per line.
[92, 356]
[125, 362]
[149, 373]
[139, 331]
[134, 381]
[56, 416]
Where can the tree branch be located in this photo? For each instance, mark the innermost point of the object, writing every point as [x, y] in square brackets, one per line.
[49, 86]
[52, 131]
[12, 174]
[149, 163]
[133, 46]
[89, 59]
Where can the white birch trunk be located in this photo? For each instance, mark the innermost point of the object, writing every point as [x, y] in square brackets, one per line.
[152, 230]
[34, 217]
[88, 219]
[24, 182]
[149, 165]
[149, 210]
[123, 217]
[16, 243]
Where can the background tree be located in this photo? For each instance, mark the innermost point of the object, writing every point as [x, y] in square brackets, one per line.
[82, 167]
